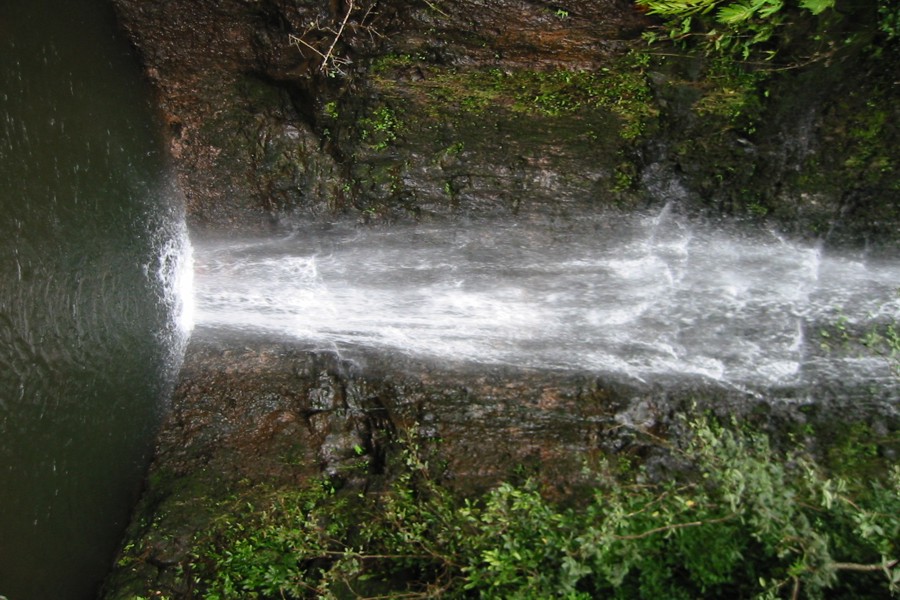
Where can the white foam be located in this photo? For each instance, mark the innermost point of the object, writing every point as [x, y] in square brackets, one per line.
[657, 298]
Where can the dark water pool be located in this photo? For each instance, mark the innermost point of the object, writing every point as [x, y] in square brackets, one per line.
[90, 246]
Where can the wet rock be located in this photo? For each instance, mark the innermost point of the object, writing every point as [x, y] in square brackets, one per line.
[460, 108]
[261, 133]
[254, 414]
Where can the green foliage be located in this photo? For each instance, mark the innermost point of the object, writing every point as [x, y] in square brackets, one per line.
[889, 19]
[740, 520]
[381, 128]
[854, 448]
[260, 551]
[741, 28]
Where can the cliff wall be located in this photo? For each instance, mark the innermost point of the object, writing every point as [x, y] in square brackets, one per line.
[378, 111]
[280, 112]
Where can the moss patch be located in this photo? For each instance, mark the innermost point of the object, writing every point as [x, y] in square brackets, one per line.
[621, 89]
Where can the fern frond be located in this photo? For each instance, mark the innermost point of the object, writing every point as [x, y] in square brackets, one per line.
[737, 12]
[670, 8]
[771, 8]
[817, 6]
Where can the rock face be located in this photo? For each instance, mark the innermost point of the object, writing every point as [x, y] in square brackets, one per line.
[262, 412]
[253, 414]
[380, 111]
[263, 127]
[386, 110]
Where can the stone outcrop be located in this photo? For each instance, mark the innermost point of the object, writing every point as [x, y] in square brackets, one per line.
[253, 414]
[257, 412]
[261, 128]
[385, 110]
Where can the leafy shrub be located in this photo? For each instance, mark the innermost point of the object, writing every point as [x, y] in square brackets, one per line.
[740, 27]
[741, 520]
[889, 19]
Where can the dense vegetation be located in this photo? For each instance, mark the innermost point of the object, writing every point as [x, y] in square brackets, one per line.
[760, 29]
[736, 518]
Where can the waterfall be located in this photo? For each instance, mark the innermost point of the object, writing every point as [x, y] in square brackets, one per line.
[648, 296]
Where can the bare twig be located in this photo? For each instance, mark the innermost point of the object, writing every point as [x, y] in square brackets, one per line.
[299, 40]
[865, 568]
[330, 62]
[673, 527]
[843, 566]
[337, 36]
[435, 8]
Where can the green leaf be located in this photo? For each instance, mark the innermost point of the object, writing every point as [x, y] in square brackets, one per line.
[770, 8]
[817, 6]
[736, 13]
[679, 7]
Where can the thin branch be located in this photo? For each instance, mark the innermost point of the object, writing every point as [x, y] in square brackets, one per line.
[330, 62]
[864, 568]
[435, 8]
[337, 36]
[373, 33]
[323, 553]
[658, 500]
[299, 40]
[674, 526]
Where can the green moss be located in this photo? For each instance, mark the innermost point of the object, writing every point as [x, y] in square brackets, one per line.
[389, 63]
[870, 156]
[621, 89]
[331, 110]
[624, 177]
[757, 208]
[454, 149]
[732, 93]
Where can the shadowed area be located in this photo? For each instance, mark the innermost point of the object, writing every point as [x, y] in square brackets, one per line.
[91, 247]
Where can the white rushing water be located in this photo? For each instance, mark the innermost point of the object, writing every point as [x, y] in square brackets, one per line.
[647, 296]
[175, 274]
